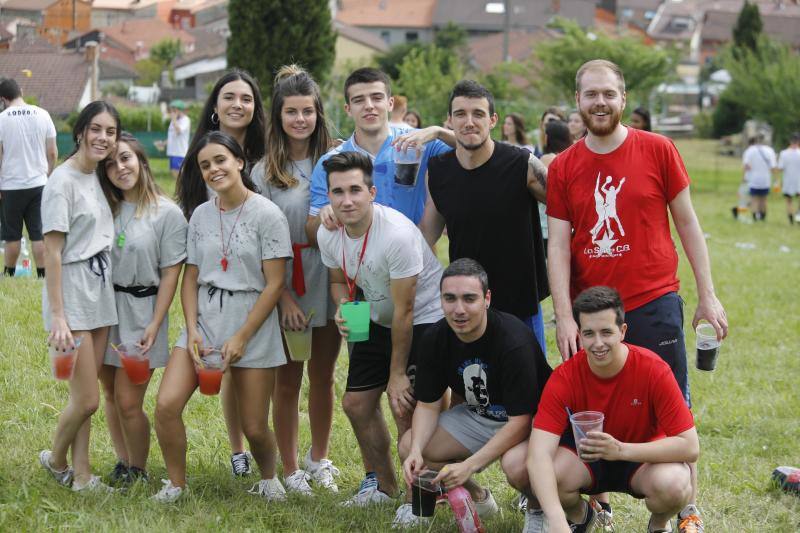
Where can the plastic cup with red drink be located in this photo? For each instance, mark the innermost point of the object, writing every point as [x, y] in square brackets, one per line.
[62, 361]
[209, 371]
[135, 362]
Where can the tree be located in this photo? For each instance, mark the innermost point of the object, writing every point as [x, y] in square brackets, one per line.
[558, 60]
[451, 38]
[272, 33]
[164, 52]
[427, 75]
[149, 71]
[766, 84]
[390, 61]
[748, 27]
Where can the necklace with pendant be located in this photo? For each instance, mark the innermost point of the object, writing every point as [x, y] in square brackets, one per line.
[121, 236]
[227, 248]
[299, 170]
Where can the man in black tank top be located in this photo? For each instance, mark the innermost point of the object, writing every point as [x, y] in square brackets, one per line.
[486, 193]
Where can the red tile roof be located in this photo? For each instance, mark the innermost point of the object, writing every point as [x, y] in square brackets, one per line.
[145, 31]
[387, 13]
[57, 79]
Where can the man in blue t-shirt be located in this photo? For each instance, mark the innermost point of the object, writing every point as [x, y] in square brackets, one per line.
[368, 100]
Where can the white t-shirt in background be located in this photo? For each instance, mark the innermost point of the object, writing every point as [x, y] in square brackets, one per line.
[24, 131]
[178, 143]
[789, 162]
[761, 160]
[395, 249]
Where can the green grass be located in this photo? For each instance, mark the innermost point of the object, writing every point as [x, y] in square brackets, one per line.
[746, 411]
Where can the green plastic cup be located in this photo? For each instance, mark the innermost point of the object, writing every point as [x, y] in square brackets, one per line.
[356, 317]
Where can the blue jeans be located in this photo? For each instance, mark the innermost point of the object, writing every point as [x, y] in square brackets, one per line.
[536, 323]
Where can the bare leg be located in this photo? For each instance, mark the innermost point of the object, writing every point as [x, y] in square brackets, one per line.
[231, 412]
[11, 254]
[363, 408]
[133, 420]
[325, 350]
[253, 388]
[285, 414]
[513, 465]
[666, 488]
[443, 449]
[571, 476]
[107, 378]
[177, 386]
[38, 253]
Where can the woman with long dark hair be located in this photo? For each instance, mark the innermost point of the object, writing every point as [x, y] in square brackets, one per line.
[237, 246]
[78, 298]
[297, 137]
[513, 131]
[146, 260]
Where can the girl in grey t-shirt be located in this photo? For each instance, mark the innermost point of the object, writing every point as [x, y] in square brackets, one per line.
[237, 248]
[146, 258]
[296, 139]
[78, 299]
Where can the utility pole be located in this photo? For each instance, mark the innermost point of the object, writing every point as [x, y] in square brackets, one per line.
[506, 29]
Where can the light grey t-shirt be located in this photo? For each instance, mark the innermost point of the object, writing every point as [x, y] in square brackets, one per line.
[294, 202]
[156, 240]
[73, 203]
[395, 249]
[261, 233]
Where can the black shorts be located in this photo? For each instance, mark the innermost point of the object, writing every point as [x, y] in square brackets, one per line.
[21, 205]
[607, 476]
[371, 360]
[658, 326]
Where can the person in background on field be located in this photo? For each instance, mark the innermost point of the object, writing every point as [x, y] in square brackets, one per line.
[413, 119]
[640, 119]
[234, 107]
[28, 154]
[297, 137]
[78, 297]
[381, 252]
[490, 359]
[789, 163]
[397, 118]
[513, 132]
[551, 113]
[146, 259]
[237, 246]
[759, 163]
[557, 138]
[647, 438]
[609, 201]
[178, 134]
[576, 126]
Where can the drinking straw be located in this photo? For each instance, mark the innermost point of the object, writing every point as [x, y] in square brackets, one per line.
[199, 359]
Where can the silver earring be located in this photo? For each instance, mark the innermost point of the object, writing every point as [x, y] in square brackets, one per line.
[214, 118]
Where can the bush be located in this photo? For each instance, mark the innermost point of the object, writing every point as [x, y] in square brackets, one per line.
[143, 118]
[729, 117]
[703, 125]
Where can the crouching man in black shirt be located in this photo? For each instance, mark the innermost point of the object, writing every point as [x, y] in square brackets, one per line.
[490, 359]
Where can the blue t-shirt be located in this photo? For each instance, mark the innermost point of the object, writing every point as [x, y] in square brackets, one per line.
[408, 200]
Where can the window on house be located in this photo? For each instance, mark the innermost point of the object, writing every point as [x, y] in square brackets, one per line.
[412, 36]
[386, 36]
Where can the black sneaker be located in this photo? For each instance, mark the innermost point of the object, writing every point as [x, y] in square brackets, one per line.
[587, 526]
[240, 464]
[119, 475]
[137, 474]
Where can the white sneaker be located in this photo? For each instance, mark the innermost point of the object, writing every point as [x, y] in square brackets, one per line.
[169, 493]
[322, 472]
[93, 485]
[405, 517]
[269, 489]
[297, 482]
[368, 494]
[487, 507]
[535, 521]
[64, 477]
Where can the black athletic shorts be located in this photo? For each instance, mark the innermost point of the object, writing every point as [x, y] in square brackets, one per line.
[607, 476]
[18, 205]
[371, 360]
[658, 326]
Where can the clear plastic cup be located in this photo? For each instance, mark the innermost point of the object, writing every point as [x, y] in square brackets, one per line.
[62, 362]
[299, 344]
[356, 316]
[406, 166]
[209, 376]
[582, 423]
[424, 493]
[707, 347]
[135, 362]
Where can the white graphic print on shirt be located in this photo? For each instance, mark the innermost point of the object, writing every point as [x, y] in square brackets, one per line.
[603, 232]
[476, 393]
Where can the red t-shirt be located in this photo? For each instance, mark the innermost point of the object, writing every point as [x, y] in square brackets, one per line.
[641, 403]
[617, 205]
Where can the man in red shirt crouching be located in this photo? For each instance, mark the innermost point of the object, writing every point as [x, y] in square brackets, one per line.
[648, 432]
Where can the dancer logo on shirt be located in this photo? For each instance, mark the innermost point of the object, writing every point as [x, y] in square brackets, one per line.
[608, 229]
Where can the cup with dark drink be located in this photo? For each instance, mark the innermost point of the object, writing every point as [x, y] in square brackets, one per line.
[424, 493]
[406, 166]
[707, 347]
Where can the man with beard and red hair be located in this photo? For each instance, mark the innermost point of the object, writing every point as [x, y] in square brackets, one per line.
[609, 198]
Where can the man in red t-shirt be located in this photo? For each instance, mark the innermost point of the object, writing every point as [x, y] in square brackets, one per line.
[609, 197]
[648, 434]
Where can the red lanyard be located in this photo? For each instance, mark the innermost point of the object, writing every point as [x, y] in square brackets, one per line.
[351, 284]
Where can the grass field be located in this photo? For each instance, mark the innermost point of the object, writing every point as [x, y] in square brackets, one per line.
[746, 411]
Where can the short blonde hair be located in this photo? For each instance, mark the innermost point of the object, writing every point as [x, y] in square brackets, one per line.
[597, 64]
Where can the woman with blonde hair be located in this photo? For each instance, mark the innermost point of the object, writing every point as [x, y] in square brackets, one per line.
[146, 258]
[297, 137]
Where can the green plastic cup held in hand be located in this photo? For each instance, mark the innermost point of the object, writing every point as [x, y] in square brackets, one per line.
[356, 319]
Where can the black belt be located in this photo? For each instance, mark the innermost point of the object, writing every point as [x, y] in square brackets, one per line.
[212, 290]
[137, 290]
